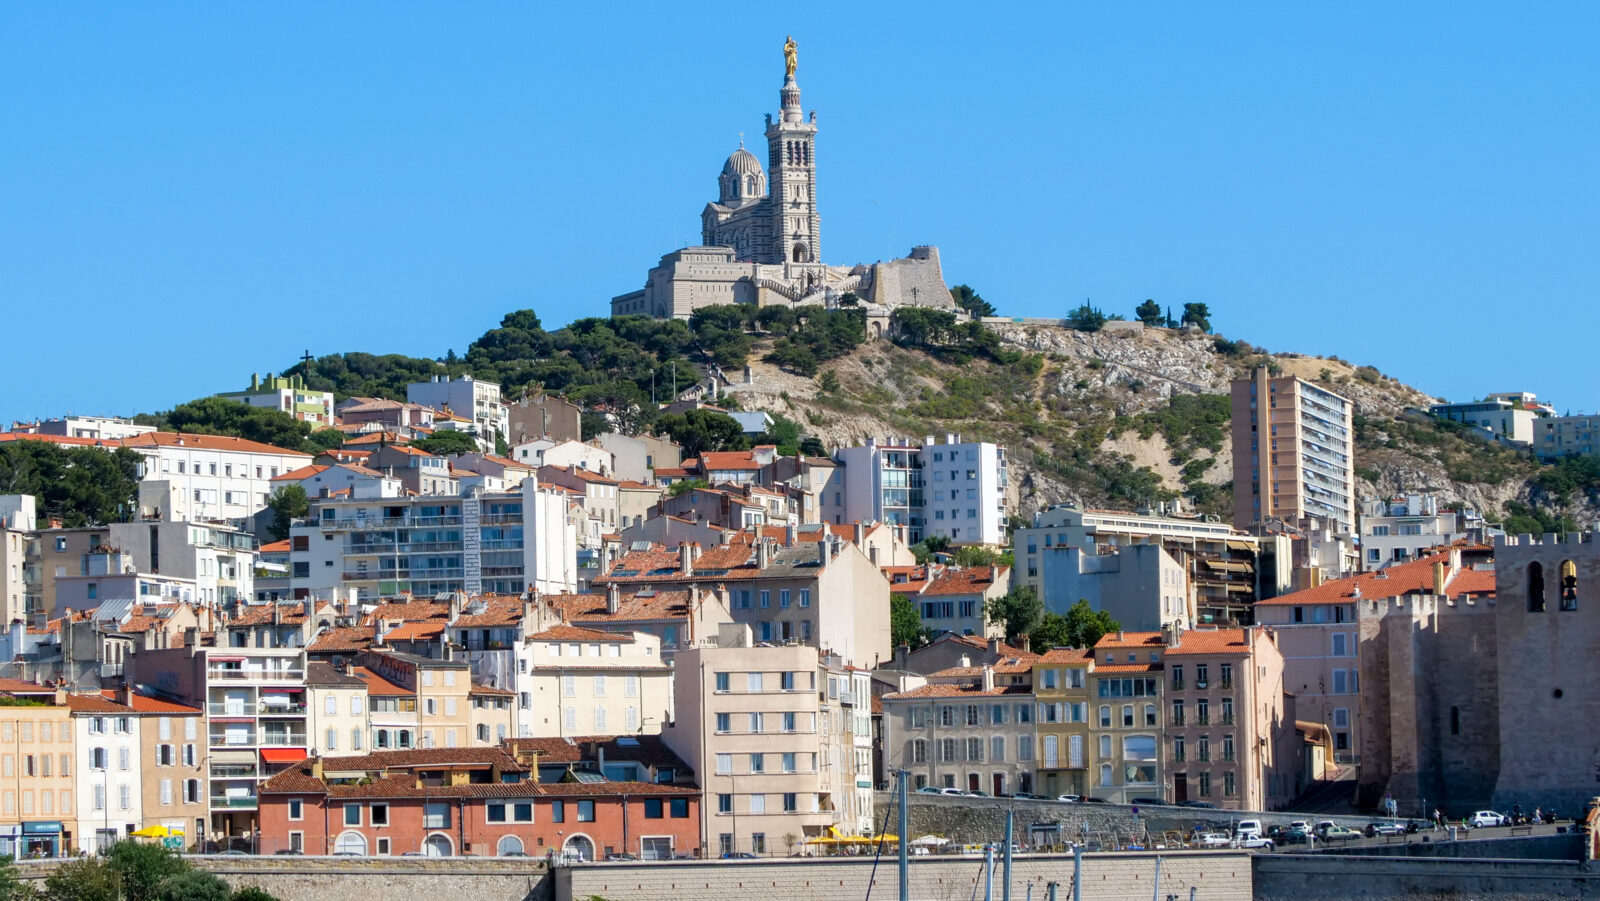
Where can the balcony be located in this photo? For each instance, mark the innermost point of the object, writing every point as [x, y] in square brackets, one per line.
[1177, 719]
[1229, 757]
[256, 675]
[234, 771]
[1205, 756]
[1226, 719]
[1178, 756]
[226, 709]
[847, 698]
[1202, 719]
[235, 802]
[1177, 685]
[249, 738]
[1227, 685]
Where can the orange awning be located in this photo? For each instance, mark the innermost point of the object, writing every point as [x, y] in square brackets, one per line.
[283, 755]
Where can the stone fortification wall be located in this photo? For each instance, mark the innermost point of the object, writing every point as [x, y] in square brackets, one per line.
[1320, 877]
[369, 878]
[978, 820]
[1218, 876]
[1567, 846]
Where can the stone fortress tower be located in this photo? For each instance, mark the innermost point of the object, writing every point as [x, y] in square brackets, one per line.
[762, 238]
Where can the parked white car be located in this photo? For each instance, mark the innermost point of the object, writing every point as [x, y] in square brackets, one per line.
[1255, 841]
[1213, 840]
[1069, 799]
[1488, 818]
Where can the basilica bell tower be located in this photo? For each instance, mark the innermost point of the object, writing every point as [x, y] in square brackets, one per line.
[792, 175]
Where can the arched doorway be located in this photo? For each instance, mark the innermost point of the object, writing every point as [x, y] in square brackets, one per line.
[579, 846]
[437, 845]
[508, 846]
[877, 328]
[350, 843]
[801, 254]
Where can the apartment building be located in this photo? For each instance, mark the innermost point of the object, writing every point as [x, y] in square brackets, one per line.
[749, 720]
[1231, 741]
[110, 799]
[1500, 416]
[1567, 436]
[638, 457]
[1394, 530]
[587, 682]
[824, 593]
[287, 394]
[38, 813]
[970, 728]
[468, 398]
[679, 617]
[955, 489]
[1127, 723]
[19, 551]
[88, 428]
[418, 471]
[477, 543]
[543, 416]
[220, 560]
[599, 498]
[1293, 452]
[173, 764]
[209, 478]
[953, 599]
[255, 699]
[1062, 687]
[338, 709]
[1141, 586]
[480, 802]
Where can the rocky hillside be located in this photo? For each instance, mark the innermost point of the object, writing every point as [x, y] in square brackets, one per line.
[1106, 418]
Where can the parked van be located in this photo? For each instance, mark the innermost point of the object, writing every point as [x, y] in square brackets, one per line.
[1247, 829]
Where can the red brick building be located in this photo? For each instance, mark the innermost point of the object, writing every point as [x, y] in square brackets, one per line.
[483, 802]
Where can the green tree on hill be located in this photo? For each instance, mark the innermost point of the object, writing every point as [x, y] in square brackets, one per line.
[1197, 315]
[698, 431]
[968, 299]
[1149, 313]
[905, 626]
[445, 442]
[287, 504]
[1018, 611]
[221, 416]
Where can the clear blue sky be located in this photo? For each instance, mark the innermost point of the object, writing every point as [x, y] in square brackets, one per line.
[192, 192]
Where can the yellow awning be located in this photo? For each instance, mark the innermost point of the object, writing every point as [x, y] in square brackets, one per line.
[1238, 545]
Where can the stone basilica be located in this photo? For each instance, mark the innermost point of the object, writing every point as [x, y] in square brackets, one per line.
[762, 239]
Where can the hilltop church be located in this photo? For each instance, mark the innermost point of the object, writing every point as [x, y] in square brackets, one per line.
[761, 239]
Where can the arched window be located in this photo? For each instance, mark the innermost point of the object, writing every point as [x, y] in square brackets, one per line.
[800, 254]
[580, 846]
[1535, 587]
[437, 845]
[1569, 585]
[509, 845]
[350, 843]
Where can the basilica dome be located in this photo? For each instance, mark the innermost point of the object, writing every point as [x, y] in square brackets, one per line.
[742, 179]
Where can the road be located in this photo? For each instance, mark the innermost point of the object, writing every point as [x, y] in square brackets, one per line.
[1438, 835]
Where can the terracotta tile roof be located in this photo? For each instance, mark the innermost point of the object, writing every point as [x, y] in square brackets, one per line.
[1059, 656]
[738, 460]
[143, 703]
[500, 611]
[481, 689]
[95, 704]
[1130, 640]
[207, 442]
[18, 687]
[390, 439]
[581, 609]
[409, 451]
[574, 633]
[1011, 665]
[968, 580]
[669, 472]
[60, 440]
[1477, 583]
[649, 750]
[321, 672]
[415, 631]
[276, 547]
[378, 686]
[1212, 641]
[964, 690]
[348, 638]
[261, 614]
[1414, 577]
[304, 472]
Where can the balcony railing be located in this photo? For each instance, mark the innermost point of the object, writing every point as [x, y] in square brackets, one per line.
[233, 771]
[1227, 684]
[1227, 719]
[1228, 756]
[256, 675]
[1177, 757]
[1202, 719]
[256, 710]
[1177, 685]
[1177, 719]
[234, 802]
[247, 739]
[1205, 757]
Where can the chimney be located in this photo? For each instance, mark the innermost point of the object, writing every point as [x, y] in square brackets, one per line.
[277, 614]
[964, 662]
[988, 678]
[686, 558]
[125, 694]
[763, 553]
[61, 695]
[455, 606]
[1438, 578]
[1121, 635]
[994, 646]
[613, 597]
[860, 533]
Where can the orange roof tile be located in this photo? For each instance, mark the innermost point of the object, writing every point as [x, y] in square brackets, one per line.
[276, 547]
[378, 685]
[304, 472]
[1212, 641]
[207, 442]
[1414, 577]
[1059, 656]
[575, 633]
[970, 580]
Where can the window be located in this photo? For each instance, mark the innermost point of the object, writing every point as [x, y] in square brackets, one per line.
[599, 686]
[1227, 783]
[1149, 714]
[805, 597]
[1127, 716]
[724, 722]
[724, 764]
[494, 813]
[379, 814]
[753, 682]
[586, 811]
[757, 763]
[352, 814]
[788, 761]
[997, 749]
[653, 809]
[436, 815]
[558, 811]
[724, 803]
[569, 685]
[1535, 587]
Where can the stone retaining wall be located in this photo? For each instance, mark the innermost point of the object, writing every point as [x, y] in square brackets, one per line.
[977, 820]
[1322, 877]
[1219, 876]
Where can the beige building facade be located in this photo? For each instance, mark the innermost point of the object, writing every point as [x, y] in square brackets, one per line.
[1293, 453]
[589, 682]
